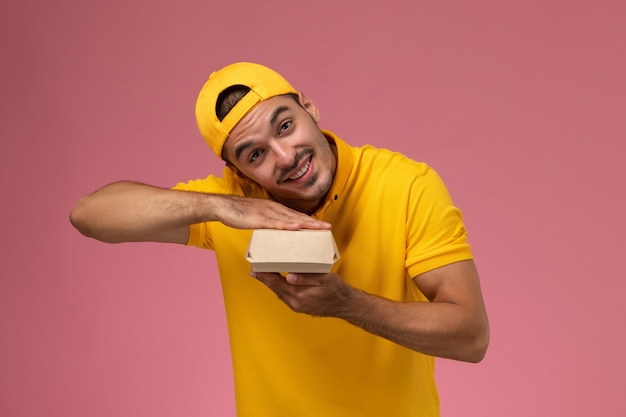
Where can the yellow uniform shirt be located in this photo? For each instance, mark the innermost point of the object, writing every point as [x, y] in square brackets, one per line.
[392, 220]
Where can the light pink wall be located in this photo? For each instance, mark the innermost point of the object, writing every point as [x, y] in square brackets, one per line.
[519, 105]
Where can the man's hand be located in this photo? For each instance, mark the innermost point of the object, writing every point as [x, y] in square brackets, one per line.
[324, 295]
[256, 213]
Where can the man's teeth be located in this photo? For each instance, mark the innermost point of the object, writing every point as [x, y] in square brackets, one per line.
[303, 171]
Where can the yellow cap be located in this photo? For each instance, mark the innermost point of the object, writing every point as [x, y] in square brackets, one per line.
[263, 82]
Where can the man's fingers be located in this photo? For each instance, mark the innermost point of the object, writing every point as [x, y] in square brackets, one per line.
[276, 281]
[267, 278]
[295, 219]
[293, 279]
[252, 213]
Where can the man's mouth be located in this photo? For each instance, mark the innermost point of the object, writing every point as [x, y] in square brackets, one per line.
[302, 171]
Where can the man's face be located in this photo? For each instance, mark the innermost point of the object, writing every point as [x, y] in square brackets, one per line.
[279, 146]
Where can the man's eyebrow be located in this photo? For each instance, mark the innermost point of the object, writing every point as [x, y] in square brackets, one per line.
[242, 147]
[277, 113]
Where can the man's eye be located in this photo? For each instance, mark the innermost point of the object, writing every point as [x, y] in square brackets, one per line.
[255, 155]
[284, 126]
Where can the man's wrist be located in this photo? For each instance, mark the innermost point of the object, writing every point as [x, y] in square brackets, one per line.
[357, 306]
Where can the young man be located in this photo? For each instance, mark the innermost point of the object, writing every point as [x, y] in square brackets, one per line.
[359, 341]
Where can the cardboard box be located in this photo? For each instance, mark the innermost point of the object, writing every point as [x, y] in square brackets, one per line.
[303, 251]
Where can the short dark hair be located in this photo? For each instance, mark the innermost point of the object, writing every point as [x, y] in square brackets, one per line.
[228, 98]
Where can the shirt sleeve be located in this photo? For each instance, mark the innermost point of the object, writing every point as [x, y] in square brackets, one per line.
[436, 233]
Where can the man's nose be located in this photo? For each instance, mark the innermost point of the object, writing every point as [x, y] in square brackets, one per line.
[284, 153]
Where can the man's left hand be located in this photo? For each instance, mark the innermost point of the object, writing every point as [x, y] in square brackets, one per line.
[321, 295]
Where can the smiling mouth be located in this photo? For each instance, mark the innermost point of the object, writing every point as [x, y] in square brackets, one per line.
[303, 171]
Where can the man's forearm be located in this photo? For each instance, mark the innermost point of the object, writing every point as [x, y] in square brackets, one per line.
[127, 211]
[435, 328]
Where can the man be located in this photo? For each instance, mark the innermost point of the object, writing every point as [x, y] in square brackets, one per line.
[359, 341]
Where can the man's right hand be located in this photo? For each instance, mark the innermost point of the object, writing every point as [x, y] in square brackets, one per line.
[256, 213]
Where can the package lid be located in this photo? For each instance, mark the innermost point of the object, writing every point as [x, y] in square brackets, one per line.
[302, 251]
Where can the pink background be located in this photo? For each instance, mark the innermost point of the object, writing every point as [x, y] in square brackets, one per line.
[521, 107]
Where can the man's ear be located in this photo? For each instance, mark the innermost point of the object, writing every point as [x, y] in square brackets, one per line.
[235, 170]
[240, 174]
[308, 105]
